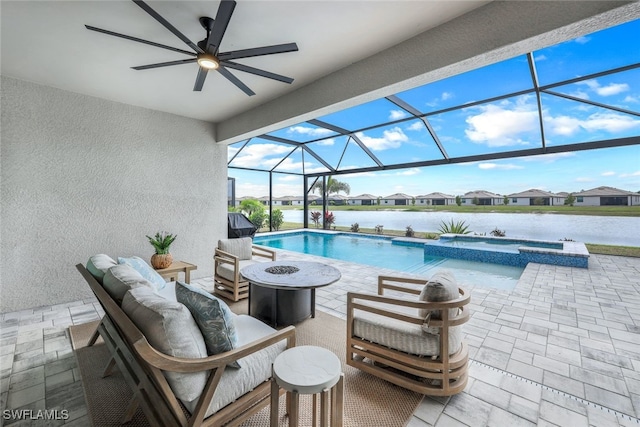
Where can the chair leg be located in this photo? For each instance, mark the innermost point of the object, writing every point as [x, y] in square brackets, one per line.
[95, 336]
[109, 368]
[131, 410]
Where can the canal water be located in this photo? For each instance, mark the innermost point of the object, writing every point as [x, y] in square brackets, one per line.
[608, 230]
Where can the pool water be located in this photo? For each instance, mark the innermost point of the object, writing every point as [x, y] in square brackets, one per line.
[383, 252]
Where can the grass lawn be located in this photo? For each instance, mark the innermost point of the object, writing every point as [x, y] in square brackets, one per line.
[630, 251]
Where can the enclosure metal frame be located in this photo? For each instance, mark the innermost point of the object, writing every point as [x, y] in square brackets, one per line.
[414, 114]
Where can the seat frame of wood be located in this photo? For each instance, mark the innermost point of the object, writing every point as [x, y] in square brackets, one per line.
[237, 288]
[444, 375]
[142, 367]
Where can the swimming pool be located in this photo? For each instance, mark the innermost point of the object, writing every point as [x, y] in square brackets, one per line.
[516, 252]
[386, 252]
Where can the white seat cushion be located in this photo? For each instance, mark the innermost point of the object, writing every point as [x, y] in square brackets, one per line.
[256, 368]
[226, 270]
[399, 335]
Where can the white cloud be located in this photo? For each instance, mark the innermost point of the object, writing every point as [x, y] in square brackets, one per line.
[289, 178]
[610, 89]
[540, 58]
[630, 98]
[326, 142]
[311, 131]
[391, 138]
[256, 155]
[580, 94]
[582, 40]
[250, 189]
[549, 158]
[502, 125]
[609, 122]
[417, 125]
[446, 95]
[287, 164]
[608, 173]
[397, 114]
[500, 166]
[408, 172]
[626, 175]
[562, 125]
[584, 179]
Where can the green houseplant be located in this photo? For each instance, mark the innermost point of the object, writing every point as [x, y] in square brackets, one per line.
[161, 242]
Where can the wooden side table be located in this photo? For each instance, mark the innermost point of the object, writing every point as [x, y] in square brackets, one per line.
[175, 268]
[308, 370]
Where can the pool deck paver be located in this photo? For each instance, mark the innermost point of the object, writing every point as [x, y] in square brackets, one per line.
[561, 348]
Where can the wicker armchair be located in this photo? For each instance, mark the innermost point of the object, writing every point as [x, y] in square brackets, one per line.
[230, 257]
[414, 343]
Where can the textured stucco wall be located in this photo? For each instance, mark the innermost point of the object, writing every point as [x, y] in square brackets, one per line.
[81, 175]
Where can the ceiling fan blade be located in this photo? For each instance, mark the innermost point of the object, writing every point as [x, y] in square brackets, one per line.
[256, 71]
[165, 64]
[135, 39]
[202, 74]
[223, 16]
[167, 25]
[233, 79]
[258, 51]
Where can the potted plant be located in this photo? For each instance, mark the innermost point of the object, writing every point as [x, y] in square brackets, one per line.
[161, 243]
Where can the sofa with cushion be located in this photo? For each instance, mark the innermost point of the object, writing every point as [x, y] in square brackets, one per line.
[188, 359]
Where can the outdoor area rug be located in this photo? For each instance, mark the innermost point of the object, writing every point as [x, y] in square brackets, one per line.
[369, 401]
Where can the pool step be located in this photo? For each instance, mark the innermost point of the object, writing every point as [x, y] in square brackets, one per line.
[425, 267]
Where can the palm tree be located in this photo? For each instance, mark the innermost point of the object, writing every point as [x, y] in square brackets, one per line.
[333, 187]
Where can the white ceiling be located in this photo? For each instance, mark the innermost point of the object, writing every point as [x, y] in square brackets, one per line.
[46, 42]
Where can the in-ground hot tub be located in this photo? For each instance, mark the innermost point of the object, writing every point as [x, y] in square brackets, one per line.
[515, 252]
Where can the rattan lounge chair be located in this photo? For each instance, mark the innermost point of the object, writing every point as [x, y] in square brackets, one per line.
[401, 339]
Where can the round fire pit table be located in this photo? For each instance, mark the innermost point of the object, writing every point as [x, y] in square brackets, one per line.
[283, 293]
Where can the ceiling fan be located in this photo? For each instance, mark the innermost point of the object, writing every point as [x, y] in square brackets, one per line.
[207, 51]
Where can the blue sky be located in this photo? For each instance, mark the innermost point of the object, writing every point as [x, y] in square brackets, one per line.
[477, 127]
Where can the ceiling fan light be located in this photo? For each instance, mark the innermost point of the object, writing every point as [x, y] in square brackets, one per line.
[208, 61]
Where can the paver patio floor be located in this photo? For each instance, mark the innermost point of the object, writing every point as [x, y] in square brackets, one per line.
[562, 348]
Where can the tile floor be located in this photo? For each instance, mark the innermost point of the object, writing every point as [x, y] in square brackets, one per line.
[562, 348]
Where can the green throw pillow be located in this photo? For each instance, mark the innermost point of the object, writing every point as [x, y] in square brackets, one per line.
[213, 317]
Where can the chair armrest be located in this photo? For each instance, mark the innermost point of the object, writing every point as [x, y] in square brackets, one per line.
[400, 284]
[225, 257]
[180, 364]
[261, 251]
[353, 304]
[462, 317]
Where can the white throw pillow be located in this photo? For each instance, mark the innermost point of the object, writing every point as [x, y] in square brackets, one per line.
[120, 278]
[440, 288]
[170, 329]
[99, 264]
[145, 270]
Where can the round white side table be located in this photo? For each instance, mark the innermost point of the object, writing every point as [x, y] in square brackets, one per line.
[308, 370]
